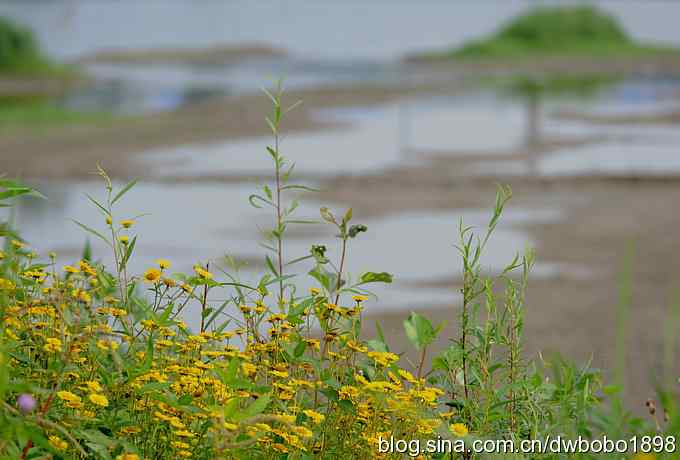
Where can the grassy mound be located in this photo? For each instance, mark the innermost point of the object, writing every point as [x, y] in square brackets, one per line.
[555, 31]
[20, 53]
[19, 50]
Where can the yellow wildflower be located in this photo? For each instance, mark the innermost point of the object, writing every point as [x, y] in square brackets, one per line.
[127, 223]
[93, 386]
[459, 429]
[98, 399]
[52, 345]
[57, 442]
[206, 275]
[406, 375]
[315, 416]
[163, 263]
[131, 430]
[152, 275]
[127, 457]
[177, 423]
[348, 392]
[355, 346]
[68, 396]
[383, 358]
[280, 374]
[87, 268]
[303, 431]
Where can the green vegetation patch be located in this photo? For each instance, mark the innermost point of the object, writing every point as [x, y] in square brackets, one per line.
[21, 54]
[556, 31]
[28, 112]
[19, 50]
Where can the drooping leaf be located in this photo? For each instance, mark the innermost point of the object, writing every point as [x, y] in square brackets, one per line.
[93, 232]
[373, 277]
[124, 190]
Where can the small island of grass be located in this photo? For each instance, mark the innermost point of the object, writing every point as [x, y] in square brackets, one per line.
[562, 31]
[20, 53]
[31, 82]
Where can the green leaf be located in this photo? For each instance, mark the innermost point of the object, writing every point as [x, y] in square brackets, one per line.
[331, 394]
[372, 277]
[230, 407]
[14, 192]
[419, 330]
[267, 191]
[381, 335]
[254, 198]
[302, 221]
[377, 345]
[4, 373]
[298, 309]
[185, 400]
[299, 259]
[92, 231]
[128, 253]
[322, 276]
[124, 190]
[299, 187]
[327, 215]
[270, 265]
[348, 216]
[87, 251]
[256, 408]
[99, 205]
[300, 349]
[272, 152]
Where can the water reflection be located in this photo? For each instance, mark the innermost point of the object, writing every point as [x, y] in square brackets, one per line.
[496, 131]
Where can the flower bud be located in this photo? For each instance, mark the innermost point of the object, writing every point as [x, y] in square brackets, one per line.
[26, 403]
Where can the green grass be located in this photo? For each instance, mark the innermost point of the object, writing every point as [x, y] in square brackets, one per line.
[556, 32]
[42, 113]
[20, 54]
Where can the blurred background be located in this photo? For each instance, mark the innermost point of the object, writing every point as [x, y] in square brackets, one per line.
[412, 113]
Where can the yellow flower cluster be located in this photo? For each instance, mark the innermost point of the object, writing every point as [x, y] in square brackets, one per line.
[268, 383]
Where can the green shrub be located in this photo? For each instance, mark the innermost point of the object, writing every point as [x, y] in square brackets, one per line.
[554, 30]
[19, 49]
[552, 27]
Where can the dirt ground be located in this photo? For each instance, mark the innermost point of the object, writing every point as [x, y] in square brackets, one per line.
[72, 151]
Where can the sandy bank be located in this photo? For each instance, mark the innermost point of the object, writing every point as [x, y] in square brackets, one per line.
[189, 56]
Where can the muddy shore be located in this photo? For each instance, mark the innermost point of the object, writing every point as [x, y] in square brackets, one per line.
[214, 55]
